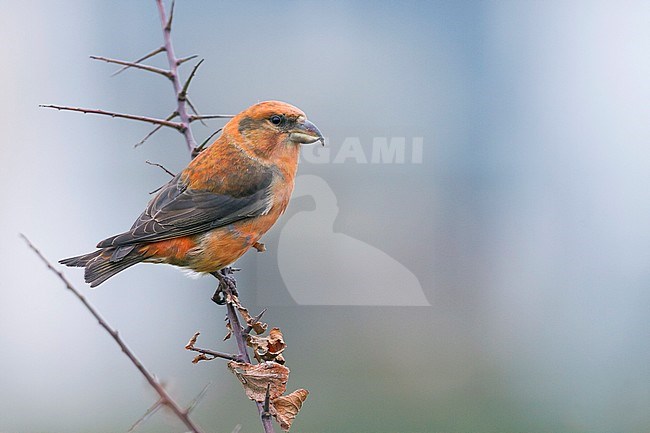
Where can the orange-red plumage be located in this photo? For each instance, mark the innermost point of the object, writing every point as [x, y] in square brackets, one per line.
[212, 212]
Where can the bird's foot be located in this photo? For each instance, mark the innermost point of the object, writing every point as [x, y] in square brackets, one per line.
[227, 284]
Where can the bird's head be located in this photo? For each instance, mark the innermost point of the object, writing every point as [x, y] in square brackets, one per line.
[273, 130]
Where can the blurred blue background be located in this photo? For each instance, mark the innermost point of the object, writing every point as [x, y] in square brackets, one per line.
[526, 223]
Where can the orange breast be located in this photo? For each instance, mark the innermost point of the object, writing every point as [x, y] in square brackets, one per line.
[223, 246]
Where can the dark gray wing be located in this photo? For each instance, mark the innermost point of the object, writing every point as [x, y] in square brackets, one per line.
[180, 211]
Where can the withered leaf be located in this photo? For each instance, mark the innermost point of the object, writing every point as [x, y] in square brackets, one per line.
[286, 407]
[255, 378]
[190, 344]
[257, 326]
[201, 357]
[268, 348]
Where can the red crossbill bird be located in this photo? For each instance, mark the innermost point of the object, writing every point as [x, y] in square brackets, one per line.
[221, 204]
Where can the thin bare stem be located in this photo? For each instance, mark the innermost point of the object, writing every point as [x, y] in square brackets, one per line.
[173, 67]
[216, 354]
[168, 27]
[146, 137]
[157, 189]
[163, 72]
[141, 59]
[153, 120]
[200, 396]
[256, 319]
[228, 284]
[165, 398]
[211, 116]
[207, 140]
[186, 59]
[183, 94]
[153, 131]
[190, 346]
[194, 110]
[152, 409]
[200, 147]
[161, 166]
[267, 400]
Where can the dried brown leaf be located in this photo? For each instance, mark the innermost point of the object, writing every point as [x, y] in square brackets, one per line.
[260, 247]
[255, 378]
[268, 348]
[190, 344]
[286, 407]
[257, 326]
[201, 357]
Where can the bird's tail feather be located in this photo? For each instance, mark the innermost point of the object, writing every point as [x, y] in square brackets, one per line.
[100, 267]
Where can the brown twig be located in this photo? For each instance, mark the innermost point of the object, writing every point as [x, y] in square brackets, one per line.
[190, 346]
[201, 146]
[227, 282]
[207, 140]
[186, 59]
[165, 398]
[172, 60]
[185, 120]
[152, 409]
[196, 400]
[162, 122]
[161, 166]
[194, 118]
[267, 399]
[228, 285]
[256, 319]
[194, 110]
[168, 26]
[141, 59]
[137, 65]
[182, 101]
[153, 131]
[183, 93]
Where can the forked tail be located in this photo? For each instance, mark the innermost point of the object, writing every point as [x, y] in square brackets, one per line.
[100, 267]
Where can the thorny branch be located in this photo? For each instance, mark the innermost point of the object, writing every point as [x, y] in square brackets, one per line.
[162, 167]
[264, 382]
[182, 95]
[141, 59]
[212, 353]
[165, 398]
[194, 118]
[255, 320]
[149, 412]
[283, 407]
[228, 285]
[153, 131]
[136, 65]
[182, 99]
[173, 67]
[153, 120]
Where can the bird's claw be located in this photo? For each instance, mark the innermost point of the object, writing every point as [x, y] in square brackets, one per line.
[227, 284]
[219, 297]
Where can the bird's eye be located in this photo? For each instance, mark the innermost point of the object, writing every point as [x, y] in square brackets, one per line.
[276, 119]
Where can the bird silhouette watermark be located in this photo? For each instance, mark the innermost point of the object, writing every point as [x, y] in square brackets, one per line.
[319, 265]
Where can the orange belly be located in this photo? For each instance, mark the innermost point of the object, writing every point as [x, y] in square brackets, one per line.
[210, 251]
